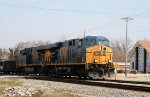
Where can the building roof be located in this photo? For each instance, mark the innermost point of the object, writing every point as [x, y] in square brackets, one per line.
[144, 43]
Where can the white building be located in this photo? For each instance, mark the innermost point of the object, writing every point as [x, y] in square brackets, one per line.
[122, 65]
[140, 56]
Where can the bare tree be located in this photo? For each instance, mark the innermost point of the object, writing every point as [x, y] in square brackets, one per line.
[4, 53]
[14, 51]
[1, 54]
[119, 49]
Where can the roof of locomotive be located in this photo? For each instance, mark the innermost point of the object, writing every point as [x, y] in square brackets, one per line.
[48, 46]
[98, 37]
[73, 39]
[90, 37]
[43, 47]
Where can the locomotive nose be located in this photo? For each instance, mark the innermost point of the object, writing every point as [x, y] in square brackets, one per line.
[98, 54]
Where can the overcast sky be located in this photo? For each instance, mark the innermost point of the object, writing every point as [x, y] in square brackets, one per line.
[55, 20]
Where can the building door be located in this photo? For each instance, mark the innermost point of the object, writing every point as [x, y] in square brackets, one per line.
[145, 59]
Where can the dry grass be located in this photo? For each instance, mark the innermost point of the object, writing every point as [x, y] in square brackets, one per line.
[4, 83]
[37, 94]
[56, 93]
[10, 82]
[60, 93]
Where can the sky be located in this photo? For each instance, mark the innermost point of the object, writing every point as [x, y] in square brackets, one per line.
[56, 20]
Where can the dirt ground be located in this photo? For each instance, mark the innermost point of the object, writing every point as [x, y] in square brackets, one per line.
[132, 77]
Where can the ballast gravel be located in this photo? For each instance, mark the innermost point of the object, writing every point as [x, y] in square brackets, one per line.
[31, 86]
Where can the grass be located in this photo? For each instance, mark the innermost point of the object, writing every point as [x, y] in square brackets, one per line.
[60, 93]
[4, 83]
[9, 83]
[37, 94]
[56, 93]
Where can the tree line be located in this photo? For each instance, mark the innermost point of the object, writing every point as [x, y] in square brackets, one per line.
[12, 53]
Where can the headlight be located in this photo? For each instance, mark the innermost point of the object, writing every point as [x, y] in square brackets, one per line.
[95, 60]
[109, 60]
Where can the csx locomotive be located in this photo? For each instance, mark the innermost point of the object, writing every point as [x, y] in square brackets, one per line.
[88, 57]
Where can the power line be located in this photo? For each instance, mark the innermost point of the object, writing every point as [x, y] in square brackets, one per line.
[144, 14]
[74, 11]
[66, 10]
[140, 14]
[139, 31]
[62, 10]
[92, 28]
[56, 10]
[103, 25]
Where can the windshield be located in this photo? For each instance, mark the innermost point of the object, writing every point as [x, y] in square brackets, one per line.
[95, 40]
[103, 41]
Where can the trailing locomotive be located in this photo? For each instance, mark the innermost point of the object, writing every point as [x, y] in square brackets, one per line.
[87, 57]
[7, 67]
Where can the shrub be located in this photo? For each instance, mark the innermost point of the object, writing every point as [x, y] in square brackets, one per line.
[120, 71]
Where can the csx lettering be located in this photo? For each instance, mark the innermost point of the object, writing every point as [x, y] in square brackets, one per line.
[97, 53]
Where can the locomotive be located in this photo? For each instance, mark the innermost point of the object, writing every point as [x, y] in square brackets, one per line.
[8, 67]
[88, 57]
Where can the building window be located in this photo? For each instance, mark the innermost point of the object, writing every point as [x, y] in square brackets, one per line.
[132, 65]
[70, 43]
[73, 42]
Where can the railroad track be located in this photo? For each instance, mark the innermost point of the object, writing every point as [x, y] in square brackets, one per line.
[126, 85]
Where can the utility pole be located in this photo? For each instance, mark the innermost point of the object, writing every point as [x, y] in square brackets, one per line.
[83, 38]
[84, 41]
[127, 19]
[84, 34]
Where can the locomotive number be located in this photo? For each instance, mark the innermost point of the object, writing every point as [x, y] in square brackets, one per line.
[98, 53]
